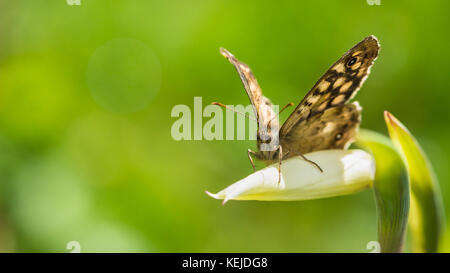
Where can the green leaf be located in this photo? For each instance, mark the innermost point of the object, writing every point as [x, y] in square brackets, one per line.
[391, 190]
[426, 215]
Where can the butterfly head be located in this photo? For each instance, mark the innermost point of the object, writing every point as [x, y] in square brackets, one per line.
[267, 139]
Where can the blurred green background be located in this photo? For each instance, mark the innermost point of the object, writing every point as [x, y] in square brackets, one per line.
[86, 94]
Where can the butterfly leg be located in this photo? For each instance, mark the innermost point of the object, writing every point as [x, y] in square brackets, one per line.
[310, 161]
[280, 158]
[250, 153]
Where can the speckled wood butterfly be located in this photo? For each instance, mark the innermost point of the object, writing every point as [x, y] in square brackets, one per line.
[323, 119]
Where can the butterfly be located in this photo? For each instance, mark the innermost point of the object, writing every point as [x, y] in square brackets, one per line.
[324, 119]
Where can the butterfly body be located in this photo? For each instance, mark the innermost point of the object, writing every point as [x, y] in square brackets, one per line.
[267, 136]
[324, 119]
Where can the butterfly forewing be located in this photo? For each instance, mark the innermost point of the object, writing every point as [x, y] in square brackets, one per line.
[268, 125]
[336, 87]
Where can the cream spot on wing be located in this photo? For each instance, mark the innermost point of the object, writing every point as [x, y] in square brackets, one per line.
[356, 66]
[252, 85]
[346, 86]
[360, 73]
[328, 128]
[322, 106]
[305, 112]
[323, 85]
[338, 99]
[325, 97]
[313, 99]
[338, 82]
[357, 53]
[339, 68]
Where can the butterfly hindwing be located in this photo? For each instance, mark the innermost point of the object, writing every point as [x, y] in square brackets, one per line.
[333, 128]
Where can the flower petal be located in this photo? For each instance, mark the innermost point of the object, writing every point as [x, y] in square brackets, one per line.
[427, 215]
[344, 172]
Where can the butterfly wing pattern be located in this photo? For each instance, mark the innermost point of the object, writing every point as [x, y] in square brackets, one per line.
[324, 119]
[335, 128]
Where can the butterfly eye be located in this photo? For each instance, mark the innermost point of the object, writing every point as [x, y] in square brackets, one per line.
[267, 140]
[352, 61]
[338, 136]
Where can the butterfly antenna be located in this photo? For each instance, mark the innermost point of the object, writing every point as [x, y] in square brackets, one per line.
[282, 109]
[231, 109]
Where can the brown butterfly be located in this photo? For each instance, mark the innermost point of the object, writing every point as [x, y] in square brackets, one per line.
[323, 119]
